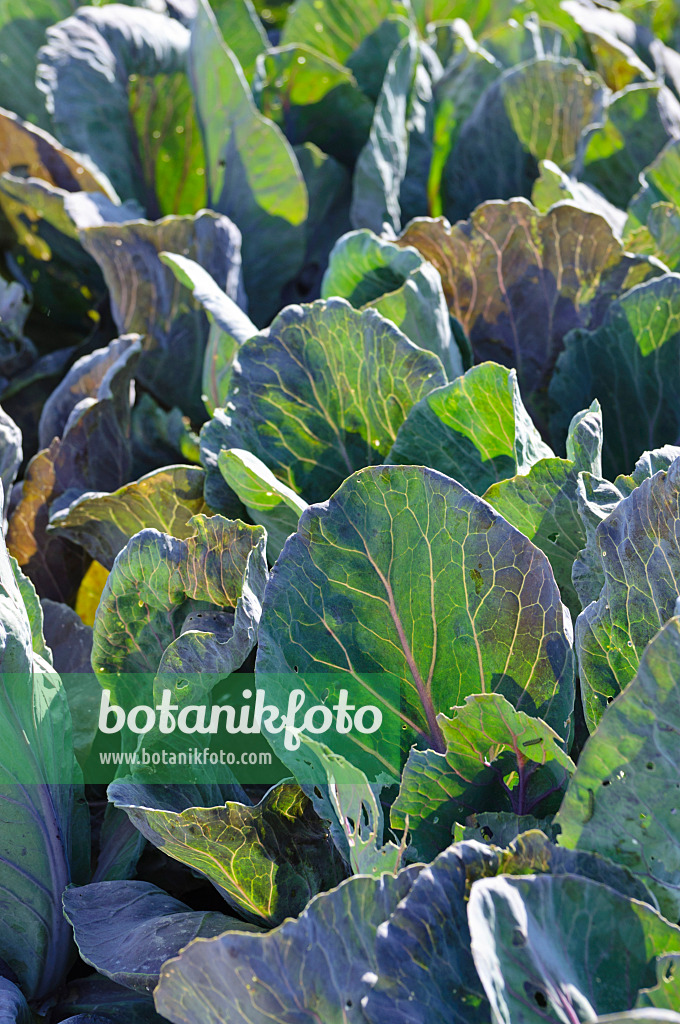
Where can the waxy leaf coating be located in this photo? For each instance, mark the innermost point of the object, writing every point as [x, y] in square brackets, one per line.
[425, 971]
[562, 948]
[128, 929]
[320, 394]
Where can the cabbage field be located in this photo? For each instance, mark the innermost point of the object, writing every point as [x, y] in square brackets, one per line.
[340, 548]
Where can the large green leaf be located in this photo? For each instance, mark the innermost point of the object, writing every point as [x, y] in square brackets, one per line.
[638, 123]
[470, 68]
[173, 323]
[475, 430]
[268, 502]
[252, 174]
[596, 498]
[415, 193]
[487, 742]
[127, 930]
[103, 523]
[616, 61]
[411, 593]
[362, 267]
[425, 972]
[542, 504]
[149, 617]
[562, 948]
[116, 87]
[321, 393]
[630, 364]
[517, 281]
[314, 99]
[651, 226]
[534, 111]
[168, 141]
[268, 861]
[305, 970]
[621, 801]
[45, 843]
[371, 272]
[659, 236]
